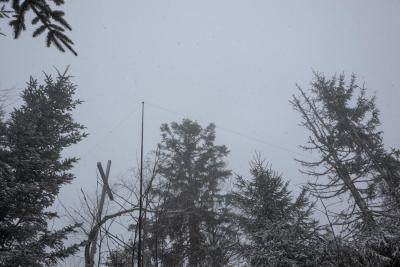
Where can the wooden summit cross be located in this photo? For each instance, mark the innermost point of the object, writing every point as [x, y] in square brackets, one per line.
[105, 189]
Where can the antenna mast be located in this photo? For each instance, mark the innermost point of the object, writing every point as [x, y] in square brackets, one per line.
[141, 195]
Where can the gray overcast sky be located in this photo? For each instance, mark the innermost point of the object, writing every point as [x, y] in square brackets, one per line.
[234, 63]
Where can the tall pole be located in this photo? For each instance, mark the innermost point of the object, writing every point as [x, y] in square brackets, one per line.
[141, 195]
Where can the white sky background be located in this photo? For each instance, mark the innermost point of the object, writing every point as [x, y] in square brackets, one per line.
[234, 63]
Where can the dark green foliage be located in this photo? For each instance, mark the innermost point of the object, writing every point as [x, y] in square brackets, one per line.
[193, 223]
[46, 18]
[120, 258]
[344, 131]
[32, 172]
[4, 13]
[190, 225]
[277, 231]
[343, 124]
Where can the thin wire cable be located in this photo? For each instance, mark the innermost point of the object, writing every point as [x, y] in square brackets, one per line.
[225, 129]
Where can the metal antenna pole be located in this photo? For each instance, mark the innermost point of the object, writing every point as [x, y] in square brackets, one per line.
[141, 195]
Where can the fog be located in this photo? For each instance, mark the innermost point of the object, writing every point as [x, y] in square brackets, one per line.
[232, 63]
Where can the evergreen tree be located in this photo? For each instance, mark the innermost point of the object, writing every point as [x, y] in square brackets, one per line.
[120, 258]
[344, 123]
[190, 226]
[32, 171]
[49, 20]
[277, 231]
[339, 118]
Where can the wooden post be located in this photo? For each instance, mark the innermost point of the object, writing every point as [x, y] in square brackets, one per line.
[105, 189]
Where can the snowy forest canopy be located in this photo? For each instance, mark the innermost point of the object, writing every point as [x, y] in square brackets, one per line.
[190, 217]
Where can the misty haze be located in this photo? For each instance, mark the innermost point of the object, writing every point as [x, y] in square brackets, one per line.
[199, 133]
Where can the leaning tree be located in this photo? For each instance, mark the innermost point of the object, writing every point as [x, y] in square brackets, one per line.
[352, 163]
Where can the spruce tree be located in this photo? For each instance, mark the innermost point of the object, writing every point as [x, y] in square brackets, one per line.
[341, 120]
[45, 16]
[190, 226]
[353, 163]
[32, 171]
[276, 230]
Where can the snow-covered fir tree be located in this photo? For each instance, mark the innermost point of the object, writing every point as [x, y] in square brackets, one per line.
[32, 171]
[277, 230]
[353, 164]
[190, 226]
